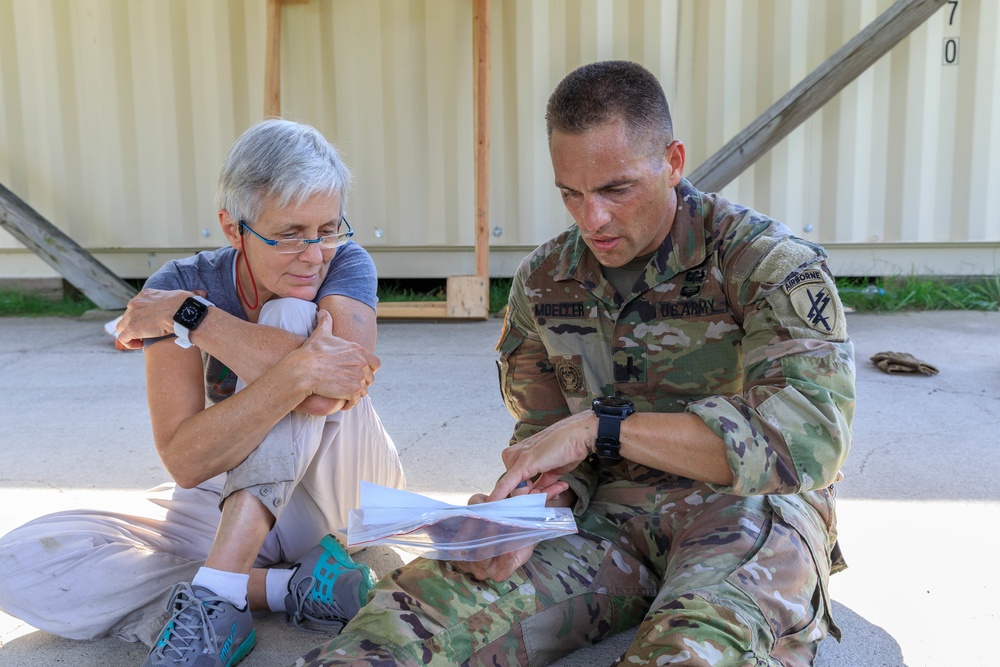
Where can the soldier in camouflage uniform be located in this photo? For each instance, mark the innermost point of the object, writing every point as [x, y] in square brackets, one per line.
[716, 531]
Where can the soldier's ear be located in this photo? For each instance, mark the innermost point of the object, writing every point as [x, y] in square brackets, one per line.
[675, 156]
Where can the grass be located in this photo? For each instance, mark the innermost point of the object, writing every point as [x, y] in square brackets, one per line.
[889, 295]
[499, 291]
[21, 305]
[396, 292]
[17, 304]
[865, 295]
[434, 290]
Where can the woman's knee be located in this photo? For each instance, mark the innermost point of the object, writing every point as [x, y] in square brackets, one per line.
[294, 315]
[288, 313]
[35, 562]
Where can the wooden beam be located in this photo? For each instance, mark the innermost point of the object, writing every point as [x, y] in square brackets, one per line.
[410, 310]
[97, 282]
[898, 21]
[481, 101]
[272, 61]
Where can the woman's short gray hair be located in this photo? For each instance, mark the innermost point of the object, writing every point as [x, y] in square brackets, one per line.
[280, 160]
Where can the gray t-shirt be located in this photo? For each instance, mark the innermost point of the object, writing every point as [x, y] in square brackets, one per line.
[352, 274]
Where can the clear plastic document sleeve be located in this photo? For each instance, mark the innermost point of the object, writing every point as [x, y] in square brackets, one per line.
[434, 529]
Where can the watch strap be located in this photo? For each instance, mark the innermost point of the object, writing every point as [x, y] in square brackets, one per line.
[183, 335]
[609, 427]
[607, 446]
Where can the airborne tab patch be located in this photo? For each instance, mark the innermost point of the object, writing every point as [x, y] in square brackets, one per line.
[802, 277]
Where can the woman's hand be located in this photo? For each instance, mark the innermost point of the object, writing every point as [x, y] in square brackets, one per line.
[150, 314]
[336, 368]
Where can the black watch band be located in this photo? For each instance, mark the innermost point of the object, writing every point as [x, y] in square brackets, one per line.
[611, 411]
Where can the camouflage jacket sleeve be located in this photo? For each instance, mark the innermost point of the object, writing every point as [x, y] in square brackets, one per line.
[530, 388]
[790, 430]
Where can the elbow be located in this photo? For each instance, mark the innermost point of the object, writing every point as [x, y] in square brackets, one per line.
[797, 463]
[839, 451]
[815, 436]
[818, 466]
[186, 482]
[833, 448]
[186, 479]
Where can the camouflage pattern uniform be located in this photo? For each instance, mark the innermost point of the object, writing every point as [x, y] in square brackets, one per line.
[734, 320]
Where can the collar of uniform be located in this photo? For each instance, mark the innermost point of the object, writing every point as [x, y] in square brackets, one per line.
[575, 259]
[684, 247]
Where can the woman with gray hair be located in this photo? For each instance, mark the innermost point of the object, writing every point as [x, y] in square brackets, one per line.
[260, 414]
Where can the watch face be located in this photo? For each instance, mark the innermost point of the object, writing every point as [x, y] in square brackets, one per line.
[612, 402]
[190, 313]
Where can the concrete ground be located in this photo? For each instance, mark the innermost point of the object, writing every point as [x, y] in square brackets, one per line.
[918, 509]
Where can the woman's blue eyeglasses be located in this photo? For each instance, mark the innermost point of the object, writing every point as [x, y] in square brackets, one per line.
[295, 246]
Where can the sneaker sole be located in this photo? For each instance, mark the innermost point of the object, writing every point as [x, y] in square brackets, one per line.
[244, 649]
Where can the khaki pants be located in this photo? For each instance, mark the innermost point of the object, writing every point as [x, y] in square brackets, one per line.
[84, 574]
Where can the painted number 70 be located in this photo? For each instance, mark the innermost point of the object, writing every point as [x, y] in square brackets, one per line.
[949, 55]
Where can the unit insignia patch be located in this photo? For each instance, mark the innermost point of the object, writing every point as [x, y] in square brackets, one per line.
[813, 304]
[570, 377]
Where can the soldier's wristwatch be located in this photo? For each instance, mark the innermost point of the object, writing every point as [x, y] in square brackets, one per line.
[188, 317]
[611, 411]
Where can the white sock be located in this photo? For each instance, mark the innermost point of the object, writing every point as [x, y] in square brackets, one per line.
[276, 587]
[229, 585]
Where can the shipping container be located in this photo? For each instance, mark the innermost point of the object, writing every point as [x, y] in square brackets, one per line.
[116, 115]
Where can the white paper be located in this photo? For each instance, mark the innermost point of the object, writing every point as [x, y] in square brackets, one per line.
[436, 529]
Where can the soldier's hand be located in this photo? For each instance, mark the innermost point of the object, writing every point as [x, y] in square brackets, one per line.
[547, 455]
[498, 568]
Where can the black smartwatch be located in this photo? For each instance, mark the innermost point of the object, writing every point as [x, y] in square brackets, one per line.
[611, 411]
[188, 317]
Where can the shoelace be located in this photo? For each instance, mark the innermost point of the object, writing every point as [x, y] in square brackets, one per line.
[308, 608]
[190, 612]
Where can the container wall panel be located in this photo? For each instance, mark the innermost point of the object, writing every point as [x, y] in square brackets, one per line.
[115, 116]
[906, 153]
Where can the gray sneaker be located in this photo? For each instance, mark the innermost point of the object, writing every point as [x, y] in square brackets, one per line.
[328, 587]
[204, 631]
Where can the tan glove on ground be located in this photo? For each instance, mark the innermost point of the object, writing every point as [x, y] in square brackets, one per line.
[902, 362]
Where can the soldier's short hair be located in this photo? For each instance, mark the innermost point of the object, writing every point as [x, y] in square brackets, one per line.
[603, 92]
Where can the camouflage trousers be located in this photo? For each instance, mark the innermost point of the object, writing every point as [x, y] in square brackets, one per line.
[711, 579]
